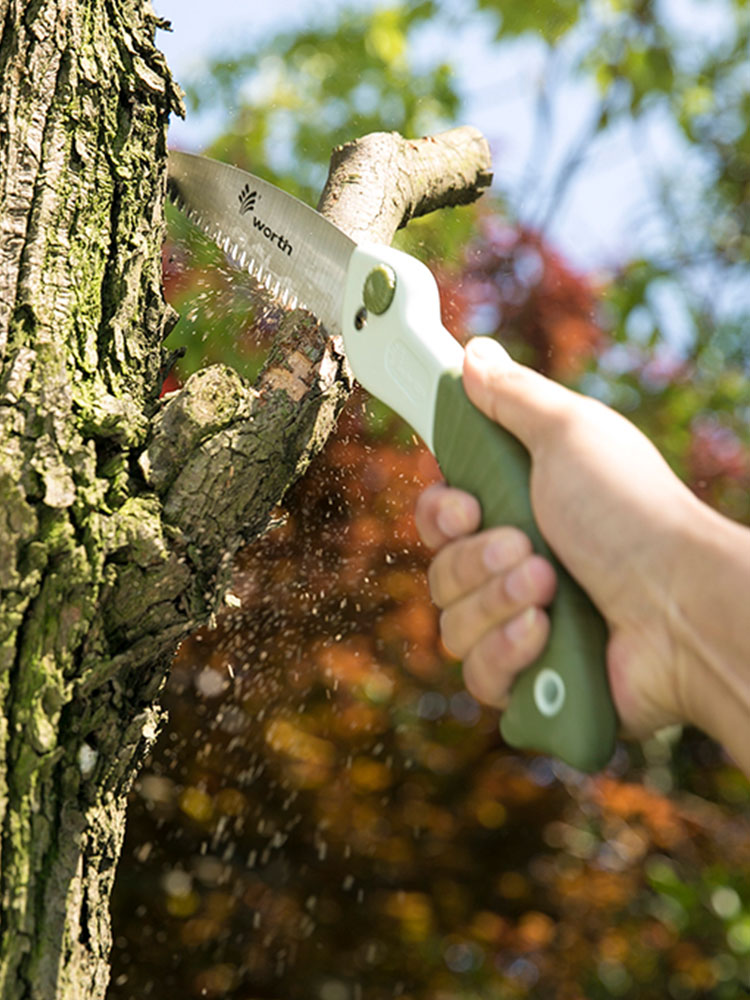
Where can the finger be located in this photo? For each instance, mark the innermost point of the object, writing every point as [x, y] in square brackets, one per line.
[463, 565]
[520, 399]
[497, 602]
[443, 513]
[496, 660]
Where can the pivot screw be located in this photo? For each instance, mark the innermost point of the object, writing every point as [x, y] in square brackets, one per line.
[379, 289]
[360, 319]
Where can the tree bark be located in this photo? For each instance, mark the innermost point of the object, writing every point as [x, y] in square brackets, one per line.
[119, 516]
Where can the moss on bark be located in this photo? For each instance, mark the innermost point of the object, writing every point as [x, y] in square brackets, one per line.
[85, 102]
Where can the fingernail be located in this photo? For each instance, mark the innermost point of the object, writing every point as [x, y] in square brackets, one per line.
[453, 518]
[501, 553]
[486, 349]
[521, 583]
[519, 630]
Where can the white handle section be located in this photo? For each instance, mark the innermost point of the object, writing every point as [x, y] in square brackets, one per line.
[399, 355]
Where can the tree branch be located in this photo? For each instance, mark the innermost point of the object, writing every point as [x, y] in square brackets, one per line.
[379, 182]
[222, 454]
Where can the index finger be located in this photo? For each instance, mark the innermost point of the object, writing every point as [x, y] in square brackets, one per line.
[444, 513]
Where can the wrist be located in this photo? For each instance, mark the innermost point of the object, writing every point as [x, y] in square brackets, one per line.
[710, 625]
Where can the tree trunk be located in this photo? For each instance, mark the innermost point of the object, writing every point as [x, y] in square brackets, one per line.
[119, 516]
[84, 107]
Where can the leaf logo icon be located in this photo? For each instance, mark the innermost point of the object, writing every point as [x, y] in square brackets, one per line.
[247, 199]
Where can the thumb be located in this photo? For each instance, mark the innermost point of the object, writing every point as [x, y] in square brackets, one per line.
[514, 396]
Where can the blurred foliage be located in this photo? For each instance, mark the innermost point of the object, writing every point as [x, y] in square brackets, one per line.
[329, 815]
[691, 78]
[306, 92]
[332, 816]
[547, 19]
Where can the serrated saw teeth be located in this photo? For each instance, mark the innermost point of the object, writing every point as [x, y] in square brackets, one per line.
[287, 246]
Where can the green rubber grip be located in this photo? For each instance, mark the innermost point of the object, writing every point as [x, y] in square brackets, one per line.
[561, 705]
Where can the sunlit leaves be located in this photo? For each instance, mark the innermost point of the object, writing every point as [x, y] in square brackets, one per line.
[549, 19]
[385, 38]
[697, 84]
[309, 92]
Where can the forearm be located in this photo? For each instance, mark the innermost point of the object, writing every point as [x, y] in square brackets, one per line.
[714, 623]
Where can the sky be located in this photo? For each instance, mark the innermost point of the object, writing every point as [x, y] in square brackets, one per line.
[604, 214]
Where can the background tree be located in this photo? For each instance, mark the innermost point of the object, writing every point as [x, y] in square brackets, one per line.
[118, 516]
[330, 815]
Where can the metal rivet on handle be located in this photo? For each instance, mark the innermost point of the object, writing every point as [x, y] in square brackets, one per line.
[360, 320]
[549, 692]
[379, 289]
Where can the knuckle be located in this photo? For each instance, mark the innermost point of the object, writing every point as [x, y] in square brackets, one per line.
[425, 514]
[462, 556]
[493, 651]
[526, 636]
[546, 579]
[492, 599]
[484, 673]
[435, 582]
[517, 541]
[451, 633]
[504, 547]
[448, 575]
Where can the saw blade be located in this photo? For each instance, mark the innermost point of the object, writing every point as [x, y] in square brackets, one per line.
[290, 249]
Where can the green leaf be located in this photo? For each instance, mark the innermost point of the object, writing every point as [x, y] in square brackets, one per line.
[549, 19]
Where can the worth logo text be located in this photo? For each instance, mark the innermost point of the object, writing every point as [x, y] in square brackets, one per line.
[248, 200]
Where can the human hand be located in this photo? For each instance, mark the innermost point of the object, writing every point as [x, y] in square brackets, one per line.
[616, 516]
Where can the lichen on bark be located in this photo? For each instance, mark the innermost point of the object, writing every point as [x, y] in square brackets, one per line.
[81, 325]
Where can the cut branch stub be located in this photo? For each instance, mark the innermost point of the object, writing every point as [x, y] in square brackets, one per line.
[376, 184]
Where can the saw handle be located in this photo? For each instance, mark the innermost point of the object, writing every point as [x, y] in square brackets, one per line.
[401, 352]
[561, 705]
